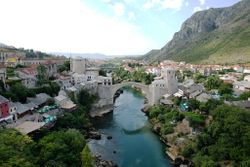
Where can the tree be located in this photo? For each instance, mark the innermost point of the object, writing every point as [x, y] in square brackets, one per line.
[14, 149]
[226, 138]
[199, 78]
[41, 73]
[61, 148]
[20, 91]
[225, 88]
[86, 157]
[76, 120]
[213, 82]
[64, 67]
[193, 104]
[85, 99]
[2, 86]
[102, 73]
[244, 96]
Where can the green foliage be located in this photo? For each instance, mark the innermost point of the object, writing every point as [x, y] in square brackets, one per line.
[10, 72]
[52, 88]
[102, 73]
[61, 148]
[156, 110]
[121, 74]
[85, 99]
[244, 96]
[193, 104]
[14, 149]
[86, 157]
[226, 138]
[167, 129]
[20, 66]
[199, 78]
[30, 53]
[166, 116]
[137, 76]
[180, 76]
[2, 87]
[210, 105]
[195, 119]
[133, 65]
[213, 82]
[41, 73]
[204, 161]
[189, 150]
[18, 92]
[64, 67]
[73, 120]
[225, 88]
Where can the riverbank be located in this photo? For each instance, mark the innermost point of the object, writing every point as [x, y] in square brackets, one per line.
[99, 112]
[172, 150]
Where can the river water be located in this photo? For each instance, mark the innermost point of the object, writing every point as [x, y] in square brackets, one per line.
[133, 144]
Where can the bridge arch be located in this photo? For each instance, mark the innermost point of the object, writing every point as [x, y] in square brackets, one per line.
[144, 88]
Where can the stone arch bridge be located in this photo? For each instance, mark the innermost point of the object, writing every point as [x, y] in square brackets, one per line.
[144, 88]
[106, 92]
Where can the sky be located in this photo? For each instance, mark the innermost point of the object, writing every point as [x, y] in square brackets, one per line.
[111, 27]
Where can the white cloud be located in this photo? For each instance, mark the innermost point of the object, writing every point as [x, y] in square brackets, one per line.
[186, 3]
[106, 1]
[119, 9]
[172, 4]
[129, 1]
[151, 3]
[164, 4]
[71, 26]
[202, 2]
[197, 8]
[131, 15]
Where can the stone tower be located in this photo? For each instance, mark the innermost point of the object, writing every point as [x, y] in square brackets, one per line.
[170, 80]
[78, 65]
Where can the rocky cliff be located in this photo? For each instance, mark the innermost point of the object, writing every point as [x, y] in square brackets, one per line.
[220, 35]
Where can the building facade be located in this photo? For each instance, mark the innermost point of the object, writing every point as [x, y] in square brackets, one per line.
[78, 65]
[4, 107]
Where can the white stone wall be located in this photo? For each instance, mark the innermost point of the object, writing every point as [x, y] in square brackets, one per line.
[157, 89]
[170, 80]
[105, 96]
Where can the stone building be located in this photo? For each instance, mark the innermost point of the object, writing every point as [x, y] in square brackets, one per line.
[78, 65]
[3, 74]
[167, 85]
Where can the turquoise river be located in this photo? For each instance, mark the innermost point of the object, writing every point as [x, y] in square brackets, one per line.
[133, 143]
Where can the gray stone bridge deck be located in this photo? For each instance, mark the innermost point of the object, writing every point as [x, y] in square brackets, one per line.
[144, 88]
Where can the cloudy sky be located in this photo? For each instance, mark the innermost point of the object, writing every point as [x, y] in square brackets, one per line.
[112, 27]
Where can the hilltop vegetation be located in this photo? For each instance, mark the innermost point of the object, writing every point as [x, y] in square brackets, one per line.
[29, 53]
[216, 36]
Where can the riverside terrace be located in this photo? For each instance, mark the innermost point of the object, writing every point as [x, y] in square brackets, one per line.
[31, 112]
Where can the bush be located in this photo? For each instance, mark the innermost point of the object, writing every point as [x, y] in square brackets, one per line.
[195, 119]
[188, 151]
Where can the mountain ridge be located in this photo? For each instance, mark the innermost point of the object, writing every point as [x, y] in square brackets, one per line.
[216, 35]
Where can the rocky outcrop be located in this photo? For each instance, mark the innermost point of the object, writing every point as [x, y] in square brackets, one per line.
[99, 162]
[176, 141]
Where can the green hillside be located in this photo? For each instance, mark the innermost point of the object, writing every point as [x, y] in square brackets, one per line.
[217, 36]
